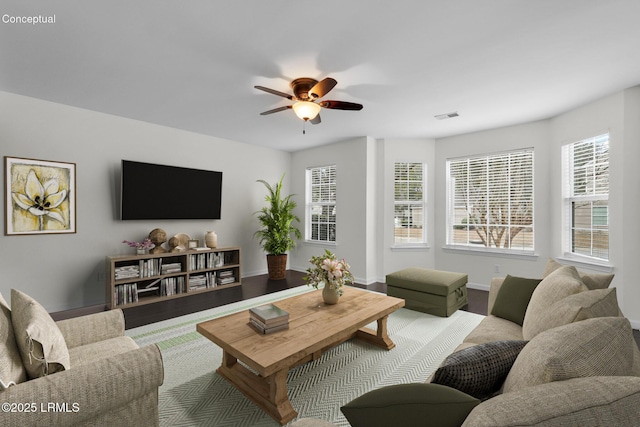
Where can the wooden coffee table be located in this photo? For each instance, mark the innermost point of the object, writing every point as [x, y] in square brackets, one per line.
[313, 328]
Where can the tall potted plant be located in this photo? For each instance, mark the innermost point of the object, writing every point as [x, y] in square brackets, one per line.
[277, 220]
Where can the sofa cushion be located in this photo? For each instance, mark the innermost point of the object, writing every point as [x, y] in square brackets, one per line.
[602, 401]
[591, 280]
[493, 328]
[592, 347]
[577, 307]
[513, 298]
[559, 284]
[39, 340]
[410, 405]
[479, 371]
[11, 367]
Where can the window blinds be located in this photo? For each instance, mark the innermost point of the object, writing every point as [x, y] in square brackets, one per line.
[491, 201]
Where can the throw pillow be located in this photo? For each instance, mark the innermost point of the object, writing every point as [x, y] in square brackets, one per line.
[11, 368]
[479, 371]
[513, 298]
[591, 280]
[559, 284]
[410, 405]
[577, 307]
[41, 344]
[592, 347]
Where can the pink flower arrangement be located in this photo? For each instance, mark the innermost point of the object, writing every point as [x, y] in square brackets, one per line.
[330, 270]
[145, 244]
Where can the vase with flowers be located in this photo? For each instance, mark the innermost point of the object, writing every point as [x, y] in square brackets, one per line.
[331, 271]
[141, 247]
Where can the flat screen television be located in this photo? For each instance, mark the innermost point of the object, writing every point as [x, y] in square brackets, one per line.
[151, 191]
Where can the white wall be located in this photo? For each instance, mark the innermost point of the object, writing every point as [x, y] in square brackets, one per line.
[354, 220]
[64, 271]
[67, 270]
[404, 150]
[618, 114]
[481, 267]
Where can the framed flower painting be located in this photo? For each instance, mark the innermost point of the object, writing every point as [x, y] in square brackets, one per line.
[40, 197]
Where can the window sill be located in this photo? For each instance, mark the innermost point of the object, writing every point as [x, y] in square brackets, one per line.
[318, 243]
[416, 247]
[579, 261]
[529, 255]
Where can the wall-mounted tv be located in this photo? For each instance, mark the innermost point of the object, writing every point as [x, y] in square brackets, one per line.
[151, 191]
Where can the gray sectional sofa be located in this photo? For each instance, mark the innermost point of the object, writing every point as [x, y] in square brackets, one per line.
[554, 351]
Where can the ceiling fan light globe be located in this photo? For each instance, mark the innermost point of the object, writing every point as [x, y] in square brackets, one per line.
[306, 110]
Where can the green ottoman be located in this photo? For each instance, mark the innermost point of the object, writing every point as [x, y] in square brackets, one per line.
[431, 291]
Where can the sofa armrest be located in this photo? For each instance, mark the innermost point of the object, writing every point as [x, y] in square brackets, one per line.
[92, 328]
[585, 402]
[82, 393]
[494, 288]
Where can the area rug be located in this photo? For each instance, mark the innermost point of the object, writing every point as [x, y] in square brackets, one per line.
[194, 395]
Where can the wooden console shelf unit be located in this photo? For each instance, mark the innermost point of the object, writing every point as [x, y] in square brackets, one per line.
[144, 279]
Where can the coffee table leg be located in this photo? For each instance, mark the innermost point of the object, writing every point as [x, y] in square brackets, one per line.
[270, 393]
[379, 337]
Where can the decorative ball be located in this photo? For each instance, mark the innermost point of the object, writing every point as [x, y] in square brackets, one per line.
[173, 242]
[158, 236]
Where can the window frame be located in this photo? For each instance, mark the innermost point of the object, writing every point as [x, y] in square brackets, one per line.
[597, 195]
[526, 185]
[310, 204]
[421, 204]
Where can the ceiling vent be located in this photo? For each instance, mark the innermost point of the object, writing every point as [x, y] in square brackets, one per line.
[447, 116]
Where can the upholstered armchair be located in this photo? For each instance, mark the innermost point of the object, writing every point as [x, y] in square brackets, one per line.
[105, 378]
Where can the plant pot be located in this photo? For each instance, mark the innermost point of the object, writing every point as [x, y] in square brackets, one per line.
[277, 266]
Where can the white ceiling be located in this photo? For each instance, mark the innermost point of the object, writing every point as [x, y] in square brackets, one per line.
[192, 64]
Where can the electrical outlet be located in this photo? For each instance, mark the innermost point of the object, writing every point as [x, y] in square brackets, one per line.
[496, 268]
[101, 276]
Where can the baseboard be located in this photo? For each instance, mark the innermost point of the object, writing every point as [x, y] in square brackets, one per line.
[77, 312]
[478, 286]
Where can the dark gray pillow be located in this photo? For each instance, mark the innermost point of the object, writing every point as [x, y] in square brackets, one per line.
[414, 404]
[479, 371]
[513, 298]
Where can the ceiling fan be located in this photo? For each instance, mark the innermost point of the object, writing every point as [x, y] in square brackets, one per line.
[307, 105]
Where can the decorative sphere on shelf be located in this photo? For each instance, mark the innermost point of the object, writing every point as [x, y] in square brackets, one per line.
[158, 236]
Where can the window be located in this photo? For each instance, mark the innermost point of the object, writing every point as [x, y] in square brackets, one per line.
[586, 197]
[409, 199]
[321, 204]
[490, 201]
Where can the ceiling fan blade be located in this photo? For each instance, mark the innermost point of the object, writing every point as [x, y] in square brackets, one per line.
[341, 105]
[275, 110]
[275, 92]
[322, 88]
[316, 120]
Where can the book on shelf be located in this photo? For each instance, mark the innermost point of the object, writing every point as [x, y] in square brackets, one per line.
[127, 272]
[125, 294]
[261, 329]
[269, 315]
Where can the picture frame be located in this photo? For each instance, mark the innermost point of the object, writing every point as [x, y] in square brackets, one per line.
[193, 244]
[40, 196]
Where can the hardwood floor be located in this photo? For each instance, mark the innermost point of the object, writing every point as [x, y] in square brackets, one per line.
[251, 287]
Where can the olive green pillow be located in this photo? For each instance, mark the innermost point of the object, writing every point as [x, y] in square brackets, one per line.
[513, 298]
[414, 404]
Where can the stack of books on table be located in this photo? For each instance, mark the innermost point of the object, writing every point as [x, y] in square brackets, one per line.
[268, 318]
